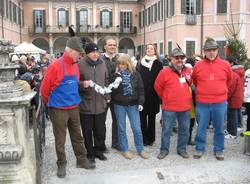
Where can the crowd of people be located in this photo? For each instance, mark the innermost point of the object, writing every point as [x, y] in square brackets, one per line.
[80, 86]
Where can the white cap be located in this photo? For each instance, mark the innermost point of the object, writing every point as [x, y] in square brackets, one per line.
[23, 58]
[14, 58]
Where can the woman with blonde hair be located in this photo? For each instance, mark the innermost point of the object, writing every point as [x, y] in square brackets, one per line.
[128, 99]
[149, 67]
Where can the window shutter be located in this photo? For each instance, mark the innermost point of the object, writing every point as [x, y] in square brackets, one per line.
[183, 6]
[44, 20]
[198, 7]
[110, 19]
[172, 7]
[22, 18]
[101, 18]
[67, 18]
[78, 21]
[19, 16]
[121, 21]
[140, 20]
[130, 23]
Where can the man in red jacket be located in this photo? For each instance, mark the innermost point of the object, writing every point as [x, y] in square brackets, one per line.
[59, 90]
[211, 77]
[173, 87]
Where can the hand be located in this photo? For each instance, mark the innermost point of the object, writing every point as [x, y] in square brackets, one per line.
[140, 107]
[86, 84]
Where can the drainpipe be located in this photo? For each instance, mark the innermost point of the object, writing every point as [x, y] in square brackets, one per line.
[202, 27]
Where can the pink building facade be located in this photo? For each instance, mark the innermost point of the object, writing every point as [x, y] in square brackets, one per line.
[133, 23]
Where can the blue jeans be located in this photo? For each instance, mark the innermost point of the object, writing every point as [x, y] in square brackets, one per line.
[169, 118]
[216, 112]
[134, 118]
[232, 121]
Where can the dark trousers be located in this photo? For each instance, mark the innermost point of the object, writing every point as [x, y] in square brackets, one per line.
[61, 120]
[148, 127]
[115, 140]
[248, 116]
[94, 131]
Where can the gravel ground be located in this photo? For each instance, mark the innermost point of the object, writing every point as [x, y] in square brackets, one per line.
[116, 163]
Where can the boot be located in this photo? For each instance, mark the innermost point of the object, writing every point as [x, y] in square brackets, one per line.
[61, 171]
[85, 163]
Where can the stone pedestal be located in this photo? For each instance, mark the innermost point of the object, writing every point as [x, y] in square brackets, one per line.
[17, 161]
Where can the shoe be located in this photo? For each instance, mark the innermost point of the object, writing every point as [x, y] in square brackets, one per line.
[127, 155]
[229, 136]
[219, 155]
[183, 154]
[198, 154]
[101, 156]
[226, 132]
[144, 155]
[162, 155]
[191, 143]
[240, 130]
[85, 163]
[61, 171]
[106, 150]
[175, 130]
[91, 159]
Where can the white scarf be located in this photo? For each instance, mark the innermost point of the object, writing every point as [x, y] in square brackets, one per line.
[150, 63]
[105, 90]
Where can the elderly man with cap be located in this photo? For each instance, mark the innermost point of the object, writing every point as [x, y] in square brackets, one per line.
[94, 104]
[59, 90]
[172, 86]
[211, 77]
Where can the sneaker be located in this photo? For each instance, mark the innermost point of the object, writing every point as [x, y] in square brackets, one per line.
[85, 163]
[198, 154]
[239, 130]
[162, 155]
[183, 154]
[229, 136]
[127, 155]
[144, 155]
[219, 155]
[61, 171]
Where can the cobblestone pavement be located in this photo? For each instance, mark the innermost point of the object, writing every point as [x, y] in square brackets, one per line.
[173, 169]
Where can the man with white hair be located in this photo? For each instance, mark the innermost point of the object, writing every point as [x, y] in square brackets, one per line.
[59, 90]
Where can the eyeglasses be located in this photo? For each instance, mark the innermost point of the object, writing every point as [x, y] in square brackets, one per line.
[179, 57]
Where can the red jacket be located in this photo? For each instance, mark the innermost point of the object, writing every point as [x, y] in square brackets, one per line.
[54, 75]
[235, 94]
[175, 95]
[212, 80]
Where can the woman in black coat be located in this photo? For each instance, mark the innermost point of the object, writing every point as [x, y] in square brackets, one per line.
[149, 67]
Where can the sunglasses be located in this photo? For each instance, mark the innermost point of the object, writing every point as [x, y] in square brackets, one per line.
[179, 57]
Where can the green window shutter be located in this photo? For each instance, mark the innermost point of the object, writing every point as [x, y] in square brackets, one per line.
[140, 20]
[183, 6]
[198, 7]
[110, 19]
[67, 18]
[44, 21]
[130, 23]
[172, 7]
[78, 21]
[101, 18]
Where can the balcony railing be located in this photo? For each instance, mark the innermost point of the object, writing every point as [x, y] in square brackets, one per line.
[191, 19]
[84, 29]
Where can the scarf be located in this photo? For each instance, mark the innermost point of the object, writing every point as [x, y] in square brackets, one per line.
[126, 83]
[148, 61]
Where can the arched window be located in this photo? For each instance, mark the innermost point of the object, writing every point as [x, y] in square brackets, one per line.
[62, 17]
[82, 20]
[106, 18]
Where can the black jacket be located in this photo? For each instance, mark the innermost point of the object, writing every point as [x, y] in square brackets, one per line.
[137, 98]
